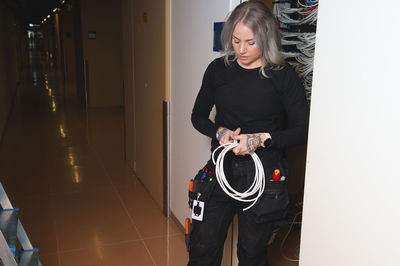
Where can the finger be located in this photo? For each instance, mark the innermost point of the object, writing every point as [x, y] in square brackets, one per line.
[237, 131]
[244, 152]
[242, 149]
[235, 137]
[225, 139]
[236, 150]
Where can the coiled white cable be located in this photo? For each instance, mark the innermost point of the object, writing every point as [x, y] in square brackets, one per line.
[257, 187]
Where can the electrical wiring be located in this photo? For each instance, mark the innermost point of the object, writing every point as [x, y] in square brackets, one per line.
[290, 42]
[288, 34]
[290, 54]
[308, 4]
[306, 65]
[257, 187]
[309, 14]
[285, 238]
[300, 47]
[307, 42]
[304, 42]
[284, 12]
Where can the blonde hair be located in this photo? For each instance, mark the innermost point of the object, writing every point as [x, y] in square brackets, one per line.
[255, 15]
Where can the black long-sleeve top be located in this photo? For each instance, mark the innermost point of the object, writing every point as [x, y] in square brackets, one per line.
[247, 100]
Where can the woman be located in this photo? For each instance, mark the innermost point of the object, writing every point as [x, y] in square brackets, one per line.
[249, 87]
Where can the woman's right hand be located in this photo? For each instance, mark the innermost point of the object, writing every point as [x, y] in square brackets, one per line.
[227, 135]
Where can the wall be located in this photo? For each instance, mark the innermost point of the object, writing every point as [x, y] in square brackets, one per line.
[351, 193]
[69, 50]
[128, 79]
[149, 85]
[11, 51]
[59, 47]
[191, 52]
[4, 80]
[104, 53]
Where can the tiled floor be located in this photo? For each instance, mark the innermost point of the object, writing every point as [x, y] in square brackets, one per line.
[79, 202]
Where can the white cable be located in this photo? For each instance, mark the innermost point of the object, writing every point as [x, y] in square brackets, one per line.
[284, 12]
[312, 3]
[257, 187]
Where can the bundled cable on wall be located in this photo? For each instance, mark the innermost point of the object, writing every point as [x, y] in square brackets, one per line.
[297, 20]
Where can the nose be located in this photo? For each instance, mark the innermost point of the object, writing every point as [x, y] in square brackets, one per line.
[242, 48]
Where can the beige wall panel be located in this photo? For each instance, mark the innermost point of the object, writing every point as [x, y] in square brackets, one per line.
[104, 52]
[167, 97]
[4, 101]
[59, 60]
[10, 62]
[14, 62]
[149, 65]
[68, 41]
[128, 78]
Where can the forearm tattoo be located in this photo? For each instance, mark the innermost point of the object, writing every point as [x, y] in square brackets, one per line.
[253, 142]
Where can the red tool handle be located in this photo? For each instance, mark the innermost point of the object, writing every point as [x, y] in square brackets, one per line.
[276, 175]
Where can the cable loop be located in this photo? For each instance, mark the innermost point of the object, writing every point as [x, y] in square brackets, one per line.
[257, 187]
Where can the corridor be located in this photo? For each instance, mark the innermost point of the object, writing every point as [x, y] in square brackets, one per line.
[79, 201]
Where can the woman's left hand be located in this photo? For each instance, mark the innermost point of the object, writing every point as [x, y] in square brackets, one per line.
[247, 143]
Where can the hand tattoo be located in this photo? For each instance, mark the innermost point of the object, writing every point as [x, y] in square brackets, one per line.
[253, 142]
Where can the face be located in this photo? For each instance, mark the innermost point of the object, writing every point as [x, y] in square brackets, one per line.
[244, 45]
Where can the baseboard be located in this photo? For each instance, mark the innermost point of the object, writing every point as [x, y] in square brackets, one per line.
[178, 224]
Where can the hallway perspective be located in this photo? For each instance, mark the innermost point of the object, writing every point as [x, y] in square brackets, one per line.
[79, 201]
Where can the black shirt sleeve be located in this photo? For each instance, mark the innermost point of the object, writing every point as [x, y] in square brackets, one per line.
[294, 101]
[203, 105]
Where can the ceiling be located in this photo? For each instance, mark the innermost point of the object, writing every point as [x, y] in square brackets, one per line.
[39, 9]
[31, 11]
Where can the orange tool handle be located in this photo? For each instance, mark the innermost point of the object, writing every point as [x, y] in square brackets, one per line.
[187, 226]
[191, 184]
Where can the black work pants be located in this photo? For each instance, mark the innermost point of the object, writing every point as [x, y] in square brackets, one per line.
[255, 226]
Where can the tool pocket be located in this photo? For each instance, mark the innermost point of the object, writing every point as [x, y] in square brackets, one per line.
[273, 203]
[203, 184]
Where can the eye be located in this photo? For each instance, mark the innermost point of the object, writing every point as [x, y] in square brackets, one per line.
[236, 41]
[252, 43]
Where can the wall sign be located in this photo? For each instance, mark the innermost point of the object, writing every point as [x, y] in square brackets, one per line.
[91, 34]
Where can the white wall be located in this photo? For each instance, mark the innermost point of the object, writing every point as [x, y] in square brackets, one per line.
[351, 205]
[191, 52]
